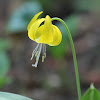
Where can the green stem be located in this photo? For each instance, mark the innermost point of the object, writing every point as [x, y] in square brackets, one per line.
[74, 56]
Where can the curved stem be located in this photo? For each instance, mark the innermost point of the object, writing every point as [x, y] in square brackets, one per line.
[74, 56]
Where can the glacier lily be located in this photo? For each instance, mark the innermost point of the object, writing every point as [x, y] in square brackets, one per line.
[46, 33]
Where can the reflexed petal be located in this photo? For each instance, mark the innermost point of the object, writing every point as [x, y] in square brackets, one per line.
[45, 35]
[57, 37]
[32, 30]
[52, 38]
[48, 23]
[34, 19]
[45, 32]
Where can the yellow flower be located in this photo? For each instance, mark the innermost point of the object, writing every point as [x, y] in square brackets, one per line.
[46, 33]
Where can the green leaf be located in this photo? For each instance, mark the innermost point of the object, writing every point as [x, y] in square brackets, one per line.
[4, 80]
[4, 68]
[91, 94]
[4, 64]
[11, 96]
[21, 16]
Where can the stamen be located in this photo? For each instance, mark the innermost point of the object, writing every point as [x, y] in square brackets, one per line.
[37, 57]
[45, 48]
[44, 53]
[43, 58]
[34, 51]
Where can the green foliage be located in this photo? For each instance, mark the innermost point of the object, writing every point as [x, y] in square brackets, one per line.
[4, 44]
[21, 16]
[11, 96]
[4, 62]
[48, 5]
[87, 5]
[58, 52]
[91, 94]
[72, 23]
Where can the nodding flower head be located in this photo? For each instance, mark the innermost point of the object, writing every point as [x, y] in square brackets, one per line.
[45, 33]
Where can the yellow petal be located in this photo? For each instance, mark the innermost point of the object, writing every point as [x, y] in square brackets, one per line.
[52, 37]
[48, 23]
[45, 35]
[57, 36]
[33, 28]
[45, 32]
[34, 19]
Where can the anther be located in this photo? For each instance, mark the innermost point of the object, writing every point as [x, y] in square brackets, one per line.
[43, 57]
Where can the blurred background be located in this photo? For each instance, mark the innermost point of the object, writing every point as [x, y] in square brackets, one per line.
[55, 78]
